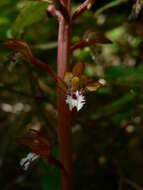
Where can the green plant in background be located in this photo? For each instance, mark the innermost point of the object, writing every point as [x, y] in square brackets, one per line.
[71, 85]
[113, 111]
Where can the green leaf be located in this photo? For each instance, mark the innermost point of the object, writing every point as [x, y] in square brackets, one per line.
[4, 2]
[4, 20]
[127, 76]
[32, 13]
[114, 106]
[51, 181]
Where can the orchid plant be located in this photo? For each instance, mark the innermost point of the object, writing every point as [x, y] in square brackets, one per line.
[72, 86]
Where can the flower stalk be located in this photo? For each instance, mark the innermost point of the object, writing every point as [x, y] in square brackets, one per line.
[64, 114]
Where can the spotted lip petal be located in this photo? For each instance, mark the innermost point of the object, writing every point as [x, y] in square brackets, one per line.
[75, 100]
[75, 84]
[40, 146]
[80, 100]
[26, 162]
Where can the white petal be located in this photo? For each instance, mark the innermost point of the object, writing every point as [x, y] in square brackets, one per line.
[25, 162]
[78, 101]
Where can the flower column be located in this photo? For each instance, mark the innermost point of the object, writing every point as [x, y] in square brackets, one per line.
[64, 115]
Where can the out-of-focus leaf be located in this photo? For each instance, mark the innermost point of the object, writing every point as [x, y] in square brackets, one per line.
[118, 71]
[32, 12]
[129, 76]
[117, 34]
[109, 5]
[122, 116]
[83, 54]
[4, 20]
[51, 182]
[4, 2]
[114, 106]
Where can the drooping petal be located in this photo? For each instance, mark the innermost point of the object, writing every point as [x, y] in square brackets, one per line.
[93, 86]
[21, 47]
[78, 69]
[38, 144]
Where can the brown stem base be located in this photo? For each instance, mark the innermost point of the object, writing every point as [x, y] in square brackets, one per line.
[65, 141]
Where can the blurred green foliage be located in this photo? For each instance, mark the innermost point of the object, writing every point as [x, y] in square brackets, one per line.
[107, 133]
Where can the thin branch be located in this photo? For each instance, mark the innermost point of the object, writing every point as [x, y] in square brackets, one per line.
[57, 9]
[23, 48]
[44, 66]
[53, 11]
[82, 8]
[132, 184]
[80, 44]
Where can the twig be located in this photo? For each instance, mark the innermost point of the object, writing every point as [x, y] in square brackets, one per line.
[58, 10]
[80, 44]
[109, 5]
[82, 8]
[44, 66]
[132, 184]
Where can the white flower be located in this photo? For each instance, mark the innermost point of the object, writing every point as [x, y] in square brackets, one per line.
[75, 99]
[25, 162]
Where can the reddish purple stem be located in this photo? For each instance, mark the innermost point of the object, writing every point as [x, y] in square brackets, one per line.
[81, 9]
[42, 65]
[77, 45]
